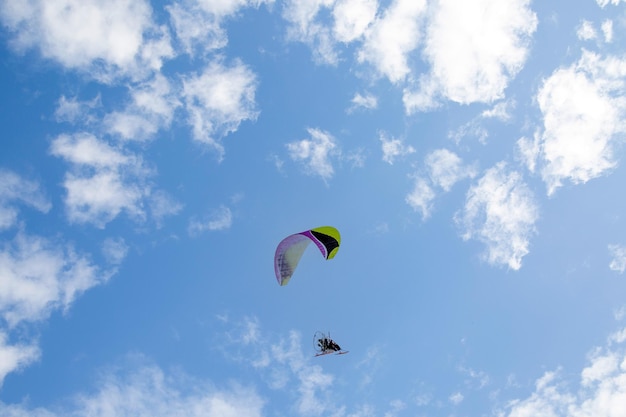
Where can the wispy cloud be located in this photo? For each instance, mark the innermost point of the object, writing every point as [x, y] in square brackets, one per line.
[198, 24]
[500, 211]
[600, 391]
[114, 250]
[446, 168]
[367, 101]
[15, 191]
[147, 390]
[618, 258]
[393, 148]
[73, 110]
[220, 219]
[15, 356]
[217, 100]
[282, 360]
[303, 26]
[604, 3]
[315, 152]
[421, 197]
[152, 107]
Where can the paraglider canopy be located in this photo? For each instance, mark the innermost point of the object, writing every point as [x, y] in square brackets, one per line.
[291, 248]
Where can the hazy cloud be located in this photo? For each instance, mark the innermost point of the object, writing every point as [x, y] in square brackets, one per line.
[73, 110]
[114, 250]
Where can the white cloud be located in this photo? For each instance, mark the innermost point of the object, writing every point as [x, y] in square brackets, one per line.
[586, 31]
[152, 108]
[584, 108]
[315, 152]
[607, 30]
[104, 180]
[198, 23]
[618, 261]
[14, 357]
[501, 111]
[38, 276]
[149, 391]
[602, 389]
[221, 219]
[218, 100]
[528, 151]
[501, 212]
[456, 398]
[311, 383]
[393, 148]
[603, 3]
[283, 363]
[421, 197]
[304, 27]
[105, 40]
[15, 190]
[367, 101]
[352, 18]
[446, 168]
[392, 37]
[475, 48]
[195, 28]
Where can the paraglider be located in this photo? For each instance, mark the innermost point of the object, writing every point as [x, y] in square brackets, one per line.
[324, 345]
[290, 249]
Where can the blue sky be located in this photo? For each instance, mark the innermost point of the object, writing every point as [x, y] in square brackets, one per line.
[469, 152]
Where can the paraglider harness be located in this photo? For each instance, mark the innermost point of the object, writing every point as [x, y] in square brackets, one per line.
[324, 345]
